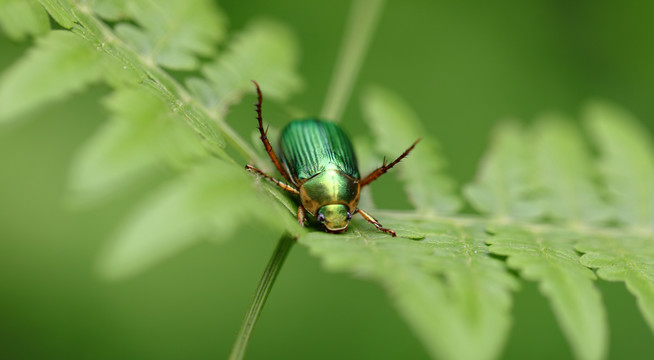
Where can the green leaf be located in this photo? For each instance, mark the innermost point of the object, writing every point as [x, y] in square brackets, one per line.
[506, 187]
[266, 51]
[20, 18]
[124, 67]
[447, 287]
[551, 175]
[627, 162]
[143, 133]
[60, 64]
[396, 127]
[60, 12]
[112, 10]
[624, 257]
[210, 202]
[549, 258]
[169, 33]
[566, 173]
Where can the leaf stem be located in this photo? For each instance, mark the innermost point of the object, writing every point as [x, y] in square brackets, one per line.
[358, 34]
[361, 24]
[265, 285]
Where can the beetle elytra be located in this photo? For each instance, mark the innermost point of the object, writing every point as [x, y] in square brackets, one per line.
[319, 166]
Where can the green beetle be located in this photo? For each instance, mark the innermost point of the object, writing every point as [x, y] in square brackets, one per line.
[320, 166]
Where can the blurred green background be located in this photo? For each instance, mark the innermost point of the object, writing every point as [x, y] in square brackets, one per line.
[462, 66]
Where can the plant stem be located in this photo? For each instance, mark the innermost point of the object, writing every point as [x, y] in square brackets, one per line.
[361, 24]
[358, 33]
[265, 285]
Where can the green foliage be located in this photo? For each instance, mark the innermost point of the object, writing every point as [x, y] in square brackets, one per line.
[19, 18]
[549, 258]
[265, 51]
[445, 285]
[33, 81]
[541, 199]
[395, 127]
[538, 173]
[565, 171]
[199, 205]
[627, 258]
[169, 33]
[627, 163]
[144, 133]
[61, 12]
[505, 184]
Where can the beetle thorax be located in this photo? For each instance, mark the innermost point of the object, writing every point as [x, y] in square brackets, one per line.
[329, 187]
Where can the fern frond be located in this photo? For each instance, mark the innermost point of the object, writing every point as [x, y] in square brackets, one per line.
[142, 134]
[528, 175]
[167, 32]
[566, 174]
[506, 187]
[549, 258]
[20, 18]
[627, 258]
[266, 52]
[211, 201]
[396, 127]
[32, 81]
[627, 163]
[452, 293]
[61, 12]
[537, 190]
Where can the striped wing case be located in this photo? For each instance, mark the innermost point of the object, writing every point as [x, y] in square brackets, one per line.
[310, 146]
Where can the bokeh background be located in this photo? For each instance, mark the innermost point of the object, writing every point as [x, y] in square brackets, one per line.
[463, 66]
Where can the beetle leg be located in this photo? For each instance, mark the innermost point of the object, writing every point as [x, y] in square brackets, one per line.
[264, 138]
[374, 221]
[300, 215]
[282, 185]
[384, 168]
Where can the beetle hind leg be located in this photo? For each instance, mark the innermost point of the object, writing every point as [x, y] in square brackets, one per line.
[374, 221]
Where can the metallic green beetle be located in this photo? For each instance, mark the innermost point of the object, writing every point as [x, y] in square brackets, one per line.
[319, 163]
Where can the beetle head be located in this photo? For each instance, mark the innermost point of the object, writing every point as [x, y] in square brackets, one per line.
[335, 217]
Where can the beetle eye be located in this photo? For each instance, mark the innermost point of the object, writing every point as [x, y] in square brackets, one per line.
[320, 217]
[349, 215]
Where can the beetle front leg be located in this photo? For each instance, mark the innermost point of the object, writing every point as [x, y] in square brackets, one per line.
[374, 221]
[282, 185]
[264, 136]
[300, 215]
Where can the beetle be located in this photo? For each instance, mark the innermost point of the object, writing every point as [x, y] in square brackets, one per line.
[319, 165]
